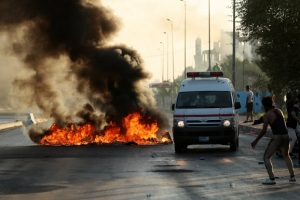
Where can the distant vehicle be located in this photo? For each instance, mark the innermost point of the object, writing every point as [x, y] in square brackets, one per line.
[206, 112]
[30, 119]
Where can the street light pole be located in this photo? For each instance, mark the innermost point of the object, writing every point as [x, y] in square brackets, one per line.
[167, 57]
[172, 55]
[162, 80]
[184, 76]
[233, 47]
[243, 65]
[209, 65]
[161, 62]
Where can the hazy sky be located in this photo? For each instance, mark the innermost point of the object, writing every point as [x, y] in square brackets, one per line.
[143, 25]
[145, 21]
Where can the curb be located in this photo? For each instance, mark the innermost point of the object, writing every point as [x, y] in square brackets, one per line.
[18, 124]
[11, 125]
[254, 130]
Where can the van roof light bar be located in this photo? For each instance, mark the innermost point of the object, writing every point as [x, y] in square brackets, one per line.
[204, 74]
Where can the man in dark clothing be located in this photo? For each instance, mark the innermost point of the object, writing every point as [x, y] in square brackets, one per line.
[298, 136]
[274, 117]
[292, 107]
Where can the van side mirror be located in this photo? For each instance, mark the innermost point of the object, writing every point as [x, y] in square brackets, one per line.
[237, 105]
[173, 106]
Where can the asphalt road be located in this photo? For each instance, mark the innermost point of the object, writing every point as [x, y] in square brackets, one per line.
[30, 171]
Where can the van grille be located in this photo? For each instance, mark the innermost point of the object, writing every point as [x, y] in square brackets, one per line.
[206, 133]
[210, 133]
[208, 123]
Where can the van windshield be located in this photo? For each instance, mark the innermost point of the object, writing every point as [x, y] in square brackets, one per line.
[204, 99]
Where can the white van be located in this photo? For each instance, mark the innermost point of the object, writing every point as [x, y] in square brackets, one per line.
[205, 112]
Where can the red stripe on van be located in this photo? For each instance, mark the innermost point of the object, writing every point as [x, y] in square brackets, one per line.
[212, 115]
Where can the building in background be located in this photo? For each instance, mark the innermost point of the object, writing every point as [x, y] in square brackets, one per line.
[222, 49]
[198, 55]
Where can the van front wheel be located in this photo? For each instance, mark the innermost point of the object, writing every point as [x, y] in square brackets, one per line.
[180, 147]
[234, 145]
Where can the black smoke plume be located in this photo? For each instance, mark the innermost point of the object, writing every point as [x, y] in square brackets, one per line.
[73, 72]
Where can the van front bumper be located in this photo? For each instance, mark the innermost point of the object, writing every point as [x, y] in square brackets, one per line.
[204, 135]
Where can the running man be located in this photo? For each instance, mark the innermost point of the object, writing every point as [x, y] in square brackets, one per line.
[274, 117]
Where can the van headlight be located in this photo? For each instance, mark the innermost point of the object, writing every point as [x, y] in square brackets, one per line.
[226, 123]
[179, 123]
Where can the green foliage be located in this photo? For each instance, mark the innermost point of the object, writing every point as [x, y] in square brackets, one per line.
[274, 26]
[176, 85]
[261, 80]
[259, 115]
[244, 71]
[180, 78]
[161, 92]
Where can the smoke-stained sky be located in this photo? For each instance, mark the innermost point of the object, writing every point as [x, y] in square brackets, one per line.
[65, 66]
[141, 26]
[145, 21]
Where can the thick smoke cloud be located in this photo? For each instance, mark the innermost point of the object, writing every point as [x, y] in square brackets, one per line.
[71, 71]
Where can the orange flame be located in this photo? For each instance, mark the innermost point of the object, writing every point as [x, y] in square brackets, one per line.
[135, 131]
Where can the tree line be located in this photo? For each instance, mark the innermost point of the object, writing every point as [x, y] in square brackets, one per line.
[275, 26]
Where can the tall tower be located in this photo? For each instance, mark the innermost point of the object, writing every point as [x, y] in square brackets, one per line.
[198, 55]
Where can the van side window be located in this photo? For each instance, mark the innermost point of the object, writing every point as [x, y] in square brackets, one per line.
[234, 97]
[223, 100]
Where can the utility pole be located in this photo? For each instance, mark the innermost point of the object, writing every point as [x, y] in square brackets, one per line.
[173, 92]
[167, 56]
[184, 40]
[244, 64]
[209, 66]
[184, 76]
[163, 62]
[233, 47]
